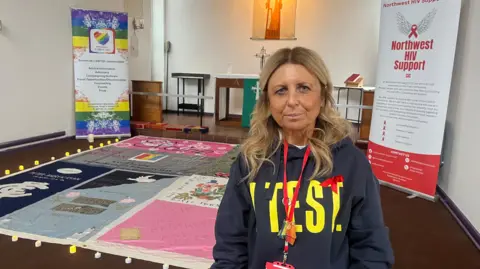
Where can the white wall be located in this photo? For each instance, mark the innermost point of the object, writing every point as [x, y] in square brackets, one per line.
[158, 39]
[140, 63]
[36, 67]
[459, 177]
[207, 35]
[149, 61]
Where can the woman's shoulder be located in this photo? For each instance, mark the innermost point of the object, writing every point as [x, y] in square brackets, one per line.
[347, 146]
[348, 157]
[239, 167]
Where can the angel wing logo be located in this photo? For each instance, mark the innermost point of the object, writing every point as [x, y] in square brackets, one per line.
[414, 30]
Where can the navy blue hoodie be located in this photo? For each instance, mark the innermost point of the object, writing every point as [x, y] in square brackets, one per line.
[341, 229]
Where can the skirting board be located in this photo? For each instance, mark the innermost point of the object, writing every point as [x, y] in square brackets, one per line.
[25, 142]
[466, 225]
[190, 112]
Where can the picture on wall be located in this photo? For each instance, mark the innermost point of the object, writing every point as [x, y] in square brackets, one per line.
[274, 19]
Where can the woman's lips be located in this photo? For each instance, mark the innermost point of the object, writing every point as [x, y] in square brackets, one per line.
[293, 115]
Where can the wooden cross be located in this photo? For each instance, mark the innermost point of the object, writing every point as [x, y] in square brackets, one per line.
[262, 55]
[257, 90]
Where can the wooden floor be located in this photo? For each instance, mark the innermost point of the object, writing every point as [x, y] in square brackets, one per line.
[234, 135]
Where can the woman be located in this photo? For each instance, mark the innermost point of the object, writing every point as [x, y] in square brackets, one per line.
[298, 140]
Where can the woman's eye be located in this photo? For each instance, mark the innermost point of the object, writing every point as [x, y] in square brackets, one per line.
[280, 91]
[303, 88]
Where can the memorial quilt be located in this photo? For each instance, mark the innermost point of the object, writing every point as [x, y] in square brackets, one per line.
[149, 198]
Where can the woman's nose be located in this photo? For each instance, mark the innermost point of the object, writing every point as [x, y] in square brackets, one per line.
[292, 98]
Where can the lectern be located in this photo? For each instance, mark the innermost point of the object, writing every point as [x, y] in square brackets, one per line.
[145, 107]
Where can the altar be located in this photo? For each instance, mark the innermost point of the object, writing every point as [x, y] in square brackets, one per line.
[251, 91]
[249, 83]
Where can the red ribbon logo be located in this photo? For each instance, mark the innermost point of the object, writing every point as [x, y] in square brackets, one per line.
[413, 31]
[333, 182]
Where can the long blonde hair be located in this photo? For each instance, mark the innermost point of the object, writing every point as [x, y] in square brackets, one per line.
[265, 134]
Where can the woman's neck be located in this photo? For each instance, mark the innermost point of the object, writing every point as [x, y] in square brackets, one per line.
[296, 138]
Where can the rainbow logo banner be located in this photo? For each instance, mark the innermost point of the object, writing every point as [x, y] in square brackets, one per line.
[100, 55]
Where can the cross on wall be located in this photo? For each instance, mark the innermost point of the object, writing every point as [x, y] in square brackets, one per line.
[257, 90]
[263, 56]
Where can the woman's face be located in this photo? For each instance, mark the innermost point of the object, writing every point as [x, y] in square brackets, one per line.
[295, 97]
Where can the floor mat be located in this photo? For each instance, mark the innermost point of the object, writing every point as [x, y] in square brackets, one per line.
[78, 213]
[148, 198]
[177, 146]
[182, 237]
[144, 160]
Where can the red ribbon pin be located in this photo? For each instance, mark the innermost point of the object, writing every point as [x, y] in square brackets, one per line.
[333, 182]
[413, 31]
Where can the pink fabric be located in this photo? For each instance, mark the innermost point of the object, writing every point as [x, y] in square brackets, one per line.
[173, 227]
[178, 146]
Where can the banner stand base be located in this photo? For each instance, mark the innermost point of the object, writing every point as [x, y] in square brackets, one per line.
[104, 136]
[409, 191]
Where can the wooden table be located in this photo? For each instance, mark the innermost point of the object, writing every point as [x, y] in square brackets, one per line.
[228, 81]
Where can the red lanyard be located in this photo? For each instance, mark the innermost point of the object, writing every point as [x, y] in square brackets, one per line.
[290, 206]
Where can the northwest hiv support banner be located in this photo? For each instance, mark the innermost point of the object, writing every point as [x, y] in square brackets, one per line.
[416, 54]
[100, 54]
